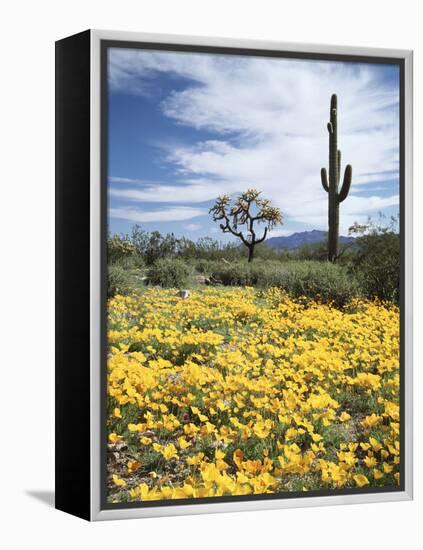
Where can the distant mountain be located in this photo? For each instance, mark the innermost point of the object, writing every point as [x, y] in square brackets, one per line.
[296, 240]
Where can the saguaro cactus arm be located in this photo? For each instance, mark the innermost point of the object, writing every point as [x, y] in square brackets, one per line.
[343, 194]
[324, 176]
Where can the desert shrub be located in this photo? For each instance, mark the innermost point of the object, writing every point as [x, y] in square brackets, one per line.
[258, 273]
[202, 266]
[376, 265]
[263, 252]
[133, 262]
[208, 267]
[376, 262]
[312, 251]
[321, 281]
[234, 274]
[119, 248]
[118, 280]
[168, 272]
[154, 245]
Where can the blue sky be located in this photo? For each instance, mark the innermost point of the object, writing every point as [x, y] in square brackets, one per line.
[185, 128]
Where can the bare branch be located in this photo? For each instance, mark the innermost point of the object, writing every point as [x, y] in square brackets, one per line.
[262, 238]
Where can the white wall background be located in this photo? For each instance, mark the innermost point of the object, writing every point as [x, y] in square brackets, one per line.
[27, 35]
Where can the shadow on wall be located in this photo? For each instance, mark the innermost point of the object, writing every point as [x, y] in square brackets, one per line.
[46, 497]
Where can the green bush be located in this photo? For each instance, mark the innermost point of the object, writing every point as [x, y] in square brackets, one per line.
[377, 263]
[118, 280]
[322, 281]
[119, 248]
[314, 280]
[258, 273]
[154, 245]
[131, 263]
[168, 272]
[202, 266]
[234, 274]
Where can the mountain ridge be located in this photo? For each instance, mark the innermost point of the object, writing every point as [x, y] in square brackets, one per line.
[301, 238]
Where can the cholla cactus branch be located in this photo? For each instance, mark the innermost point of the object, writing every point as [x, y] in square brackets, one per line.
[246, 211]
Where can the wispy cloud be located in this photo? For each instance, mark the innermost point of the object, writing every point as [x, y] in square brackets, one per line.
[192, 192]
[269, 120]
[165, 215]
[192, 226]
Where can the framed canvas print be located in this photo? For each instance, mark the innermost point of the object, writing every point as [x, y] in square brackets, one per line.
[233, 275]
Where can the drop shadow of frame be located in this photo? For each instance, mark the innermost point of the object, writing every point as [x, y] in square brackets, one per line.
[46, 497]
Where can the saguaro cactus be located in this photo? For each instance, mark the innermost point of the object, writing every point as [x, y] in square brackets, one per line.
[331, 187]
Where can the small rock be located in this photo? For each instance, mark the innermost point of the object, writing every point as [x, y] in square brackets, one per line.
[120, 446]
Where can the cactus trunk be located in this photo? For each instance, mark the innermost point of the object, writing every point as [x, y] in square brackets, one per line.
[333, 225]
[331, 186]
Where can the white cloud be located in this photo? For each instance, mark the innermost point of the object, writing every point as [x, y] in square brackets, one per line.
[192, 226]
[269, 117]
[353, 209]
[191, 192]
[166, 215]
[115, 179]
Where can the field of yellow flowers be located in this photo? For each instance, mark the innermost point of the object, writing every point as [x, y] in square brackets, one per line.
[240, 391]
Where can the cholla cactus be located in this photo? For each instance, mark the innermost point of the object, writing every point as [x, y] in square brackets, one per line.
[240, 213]
[331, 187]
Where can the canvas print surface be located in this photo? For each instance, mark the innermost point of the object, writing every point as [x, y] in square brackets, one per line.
[253, 276]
